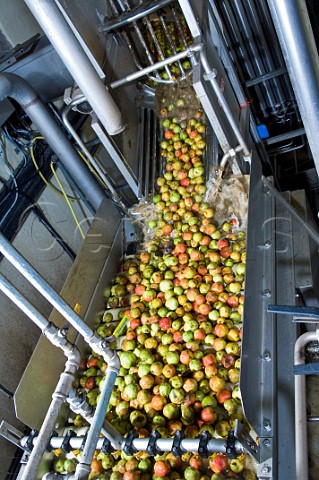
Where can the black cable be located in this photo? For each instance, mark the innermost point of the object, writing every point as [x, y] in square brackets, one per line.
[6, 391]
[41, 217]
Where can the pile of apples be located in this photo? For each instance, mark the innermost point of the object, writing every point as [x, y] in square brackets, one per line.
[184, 296]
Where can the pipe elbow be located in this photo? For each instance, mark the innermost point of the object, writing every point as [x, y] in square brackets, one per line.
[74, 356]
[18, 89]
[113, 360]
[5, 86]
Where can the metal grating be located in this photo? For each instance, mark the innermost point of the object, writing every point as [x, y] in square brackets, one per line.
[153, 33]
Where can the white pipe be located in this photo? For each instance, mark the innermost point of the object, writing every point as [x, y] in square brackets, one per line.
[75, 59]
[301, 441]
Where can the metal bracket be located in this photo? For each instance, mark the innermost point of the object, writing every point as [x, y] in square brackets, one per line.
[248, 443]
[83, 441]
[264, 470]
[128, 445]
[17, 52]
[29, 442]
[299, 314]
[11, 434]
[210, 75]
[176, 448]
[65, 447]
[151, 448]
[203, 441]
[230, 445]
[106, 447]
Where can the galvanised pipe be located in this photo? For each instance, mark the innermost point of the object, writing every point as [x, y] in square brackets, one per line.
[292, 23]
[11, 292]
[84, 466]
[65, 382]
[19, 90]
[75, 59]
[96, 342]
[58, 399]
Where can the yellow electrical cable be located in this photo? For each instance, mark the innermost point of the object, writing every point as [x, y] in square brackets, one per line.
[55, 190]
[48, 184]
[68, 201]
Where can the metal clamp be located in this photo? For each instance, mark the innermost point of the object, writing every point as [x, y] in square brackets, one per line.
[306, 314]
[230, 444]
[106, 446]
[176, 447]
[128, 445]
[83, 442]
[65, 446]
[29, 443]
[152, 448]
[203, 444]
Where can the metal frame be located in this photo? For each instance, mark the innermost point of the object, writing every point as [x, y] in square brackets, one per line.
[292, 23]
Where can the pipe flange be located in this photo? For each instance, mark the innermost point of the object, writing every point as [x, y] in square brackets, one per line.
[152, 448]
[230, 445]
[176, 447]
[65, 446]
[128, 445]
[203, 444]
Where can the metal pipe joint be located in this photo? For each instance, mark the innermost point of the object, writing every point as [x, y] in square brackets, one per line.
[102, 347]
[58, 338]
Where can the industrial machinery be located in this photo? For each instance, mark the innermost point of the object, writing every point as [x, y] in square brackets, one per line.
[254, 68]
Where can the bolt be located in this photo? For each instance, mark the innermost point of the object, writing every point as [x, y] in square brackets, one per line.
[265, 469]
[267, 293]
[63, 332]
[267, 244]
[267, 424]
[267, 356]
[266, 442]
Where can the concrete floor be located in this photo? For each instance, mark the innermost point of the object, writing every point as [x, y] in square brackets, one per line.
[18, 335]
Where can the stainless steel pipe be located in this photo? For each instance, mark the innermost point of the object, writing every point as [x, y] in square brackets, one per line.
[141, 73]
[211, 77]
[19, 90]
[93, 162]
[163, 444]
[292, 23]
[75, 59]
[301, 436]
